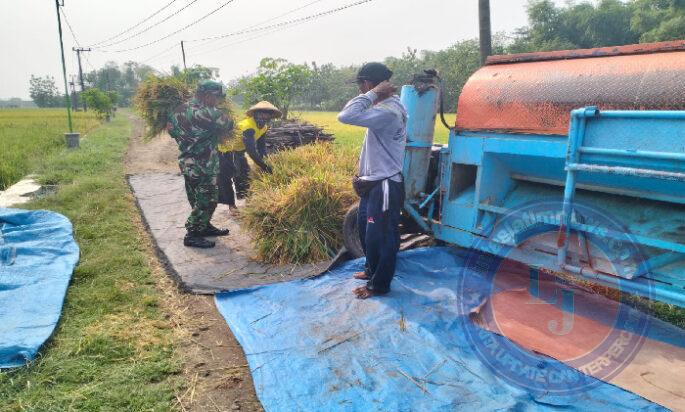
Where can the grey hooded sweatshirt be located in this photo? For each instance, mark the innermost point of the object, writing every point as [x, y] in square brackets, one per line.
[382, 154]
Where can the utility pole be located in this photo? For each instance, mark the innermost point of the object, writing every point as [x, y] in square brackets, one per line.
[183, 50]
[74, 100]
[78, 51]
[485, 30]
[64, 66]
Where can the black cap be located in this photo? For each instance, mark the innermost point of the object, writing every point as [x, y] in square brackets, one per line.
[374, 72]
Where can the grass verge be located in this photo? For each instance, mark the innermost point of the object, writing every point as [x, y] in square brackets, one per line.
[114, 347]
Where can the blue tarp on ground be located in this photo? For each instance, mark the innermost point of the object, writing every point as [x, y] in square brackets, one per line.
[37, 257]
[311, 346]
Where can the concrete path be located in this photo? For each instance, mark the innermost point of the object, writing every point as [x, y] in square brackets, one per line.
[162, 200]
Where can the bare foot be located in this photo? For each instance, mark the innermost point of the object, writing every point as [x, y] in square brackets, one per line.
[360, 276]
[363, 292]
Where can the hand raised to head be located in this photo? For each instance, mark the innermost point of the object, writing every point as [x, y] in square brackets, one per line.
[384, 90]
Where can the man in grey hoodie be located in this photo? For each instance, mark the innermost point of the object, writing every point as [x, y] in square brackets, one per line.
[378, 109]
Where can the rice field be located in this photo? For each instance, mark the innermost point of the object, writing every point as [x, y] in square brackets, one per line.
[27, 136]
[353, 136]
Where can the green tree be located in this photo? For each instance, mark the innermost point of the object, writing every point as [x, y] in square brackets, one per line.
[194, 74]
[277, 81]
[406, 66]
[44, 92]
[99, 101]
[329, 87]
[659, 20]
[582, 25]
[122, 79]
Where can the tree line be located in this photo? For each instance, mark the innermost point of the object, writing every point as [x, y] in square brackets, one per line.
[111, 78]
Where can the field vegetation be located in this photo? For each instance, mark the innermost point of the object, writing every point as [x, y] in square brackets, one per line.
[114, 347]
[29, 136]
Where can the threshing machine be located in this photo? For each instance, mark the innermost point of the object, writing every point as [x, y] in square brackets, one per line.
[600, 130]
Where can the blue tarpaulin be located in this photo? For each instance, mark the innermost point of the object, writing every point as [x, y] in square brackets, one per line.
[37, 258]
[312, 346]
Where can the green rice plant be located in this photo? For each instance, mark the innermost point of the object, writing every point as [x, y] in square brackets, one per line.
[28, 136]
[296, 213]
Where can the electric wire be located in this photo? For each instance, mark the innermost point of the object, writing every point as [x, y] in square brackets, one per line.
[136, 25]
[208, 42]
[73, 35]
[71, 29]
[285, 23]
[249, 38]
[269, 29]
[175, 32]
[148, 28]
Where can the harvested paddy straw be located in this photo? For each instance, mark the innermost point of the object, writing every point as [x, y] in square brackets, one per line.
[157, 97]
[296, 213]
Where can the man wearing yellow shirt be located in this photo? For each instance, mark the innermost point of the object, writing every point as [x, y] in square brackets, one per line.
[233, 165]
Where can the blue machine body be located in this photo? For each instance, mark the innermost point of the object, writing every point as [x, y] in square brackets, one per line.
[627, 164]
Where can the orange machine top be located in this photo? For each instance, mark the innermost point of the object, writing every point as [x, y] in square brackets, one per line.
[535, 92]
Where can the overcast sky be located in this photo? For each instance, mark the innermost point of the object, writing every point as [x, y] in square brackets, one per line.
[371, 31]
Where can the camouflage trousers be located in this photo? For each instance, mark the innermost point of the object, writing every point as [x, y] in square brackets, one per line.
[201, 189]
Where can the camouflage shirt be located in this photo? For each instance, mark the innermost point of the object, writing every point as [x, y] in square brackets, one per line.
[197, 128]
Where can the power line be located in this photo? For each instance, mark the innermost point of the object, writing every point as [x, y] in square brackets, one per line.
[269, 29]
[73, 35]
[175, 32]
[250, 38]
[136, 25]
[269, 20]
[148, 28]
[286, 23]
[173, 46]
[71, 29]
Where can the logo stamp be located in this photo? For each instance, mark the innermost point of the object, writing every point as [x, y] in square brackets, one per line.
[586, 333]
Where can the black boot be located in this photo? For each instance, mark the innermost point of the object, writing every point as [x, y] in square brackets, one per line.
[196, 240]
[214, 231]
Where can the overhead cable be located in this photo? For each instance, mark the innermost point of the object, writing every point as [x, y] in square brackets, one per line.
[135, 25]
[148, 28]
[175, 32]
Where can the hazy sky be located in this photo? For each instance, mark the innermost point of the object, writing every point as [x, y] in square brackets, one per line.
[371, 31]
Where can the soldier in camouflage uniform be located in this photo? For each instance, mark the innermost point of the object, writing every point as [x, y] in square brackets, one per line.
[197, 126]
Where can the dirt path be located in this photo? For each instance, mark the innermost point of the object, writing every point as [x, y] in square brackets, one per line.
[215, 371]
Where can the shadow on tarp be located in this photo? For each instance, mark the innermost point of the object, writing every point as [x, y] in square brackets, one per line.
[311, 346]
[37, 258]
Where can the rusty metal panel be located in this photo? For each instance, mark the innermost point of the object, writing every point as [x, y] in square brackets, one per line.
[644, 48]
[537, 96]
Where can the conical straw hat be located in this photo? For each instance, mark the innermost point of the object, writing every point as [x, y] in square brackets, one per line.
[264, 105]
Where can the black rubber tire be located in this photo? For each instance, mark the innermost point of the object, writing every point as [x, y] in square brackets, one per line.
[351, 233]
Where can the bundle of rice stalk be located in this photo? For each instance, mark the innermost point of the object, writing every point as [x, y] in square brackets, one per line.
[157, 97]
[296, 213]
